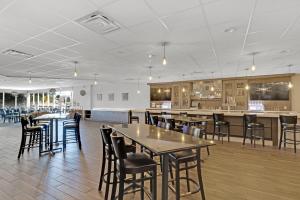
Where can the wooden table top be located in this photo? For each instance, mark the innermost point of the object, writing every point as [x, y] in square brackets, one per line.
[160, 140]
[52, 116]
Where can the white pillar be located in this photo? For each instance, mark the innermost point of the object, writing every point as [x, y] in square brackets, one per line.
[33, 99]
[38, 100]
[28, 100]
[43, 100]
[53, 100]
[48, 99]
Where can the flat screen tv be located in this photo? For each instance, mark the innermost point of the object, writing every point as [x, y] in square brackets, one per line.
[161, 94]
[269, 91]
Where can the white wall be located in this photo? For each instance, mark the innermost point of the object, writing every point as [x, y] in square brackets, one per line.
[135, 101]
[83, 102]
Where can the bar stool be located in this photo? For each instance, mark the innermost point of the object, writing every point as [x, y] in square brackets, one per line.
[147, 118]
[108, 155]
[289, 125]
[184, 161]
[71, 133]
[219, 125]
[133, 118]
[29, 132]
[132, 164]
[251, 124]
[199, 132]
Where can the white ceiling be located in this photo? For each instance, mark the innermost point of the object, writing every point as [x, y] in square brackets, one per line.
[198, 45]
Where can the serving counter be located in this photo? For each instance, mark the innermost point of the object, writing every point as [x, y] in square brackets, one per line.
[270, 120]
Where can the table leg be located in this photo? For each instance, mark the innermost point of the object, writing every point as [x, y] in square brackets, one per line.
[56, 130]
[165, 173]
[51, 134]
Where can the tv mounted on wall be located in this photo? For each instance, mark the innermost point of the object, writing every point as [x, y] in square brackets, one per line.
[269, 91]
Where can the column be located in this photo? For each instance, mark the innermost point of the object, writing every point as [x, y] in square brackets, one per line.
[43, 100]
[48, 99]
[38, 100]
[33, 99]
[16, 99]
[28, 100]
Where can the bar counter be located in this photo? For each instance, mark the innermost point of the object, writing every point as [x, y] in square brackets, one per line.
[270, 119]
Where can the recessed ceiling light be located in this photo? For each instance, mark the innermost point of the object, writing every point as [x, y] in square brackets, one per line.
[230, 30]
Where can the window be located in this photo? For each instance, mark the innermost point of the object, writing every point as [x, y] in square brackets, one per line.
[21, 100]
[111, 97]
[99, 97]
[125, 96]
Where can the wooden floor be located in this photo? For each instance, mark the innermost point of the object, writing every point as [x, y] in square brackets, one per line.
[231, 172]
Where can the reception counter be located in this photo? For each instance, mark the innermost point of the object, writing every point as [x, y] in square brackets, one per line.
[269, 119]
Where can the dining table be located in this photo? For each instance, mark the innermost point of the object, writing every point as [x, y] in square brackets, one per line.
[51, 117]
[162, 142]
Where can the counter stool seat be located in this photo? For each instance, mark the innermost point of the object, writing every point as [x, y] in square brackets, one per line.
[289, 126]
[219, 124]
[138, 163]
[251, 125]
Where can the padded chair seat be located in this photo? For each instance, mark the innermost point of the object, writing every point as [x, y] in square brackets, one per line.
[34, 128]
[138, 163]
[188, 154]
[130, 148]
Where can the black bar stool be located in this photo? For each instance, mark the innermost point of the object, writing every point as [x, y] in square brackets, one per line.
[132, 164]
[185, 161]
[133, 118]
[251, 124]
[29, 132]
[289, 125]
[219, 125]
[200, 132]
[108, 155]
[71, 132]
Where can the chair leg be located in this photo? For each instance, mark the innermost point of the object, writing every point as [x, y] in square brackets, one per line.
[295, 142]
[115, 181]
[228, 134]
[102, 171]
[200, 174]
[284, 139]
[79, 139]
[64, 139]
[142, 186]
[177, 181]
[207, 149]
[187, 176]
[214, 132]
[40, 142]
[263, 138]
[30, 141]
[280, 141]
[21, 146]
[108, 177]
[154, 184]
[171, 173]
[121, 188]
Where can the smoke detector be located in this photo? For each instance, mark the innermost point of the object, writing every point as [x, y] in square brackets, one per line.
[16, 53]
[98, 23]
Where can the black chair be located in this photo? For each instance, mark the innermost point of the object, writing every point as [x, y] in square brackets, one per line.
[200, 132]
[133, 118]
[185, 161]
[71, 133]
[33, 131]
[132, 164]
[219, 125]
[256, 129]
[108, 155]
[289, 126]
[7, 115]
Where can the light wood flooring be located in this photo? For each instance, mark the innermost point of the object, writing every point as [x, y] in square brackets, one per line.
[231, 172]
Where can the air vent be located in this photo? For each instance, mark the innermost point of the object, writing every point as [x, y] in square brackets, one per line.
[17, 53]
[98, 23]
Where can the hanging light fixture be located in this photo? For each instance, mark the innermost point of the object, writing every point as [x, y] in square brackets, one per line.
[253, 67]
[95, 80]
[212, 88]
[75, 69]
[30, 81]
[290, 85]
[150, 74]
[164, 58]
[138, 90]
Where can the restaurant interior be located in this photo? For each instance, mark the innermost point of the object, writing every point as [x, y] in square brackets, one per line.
[149, 99]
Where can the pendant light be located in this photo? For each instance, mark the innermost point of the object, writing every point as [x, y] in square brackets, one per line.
[253, 67]
[138, 90]
[30, 81]
[75, 69]
[95, 80]
[212, 88]
[164, 58]
[150, 74]
[290, 85]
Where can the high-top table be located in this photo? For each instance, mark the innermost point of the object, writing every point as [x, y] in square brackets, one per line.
[51, 117]
[161, 142]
